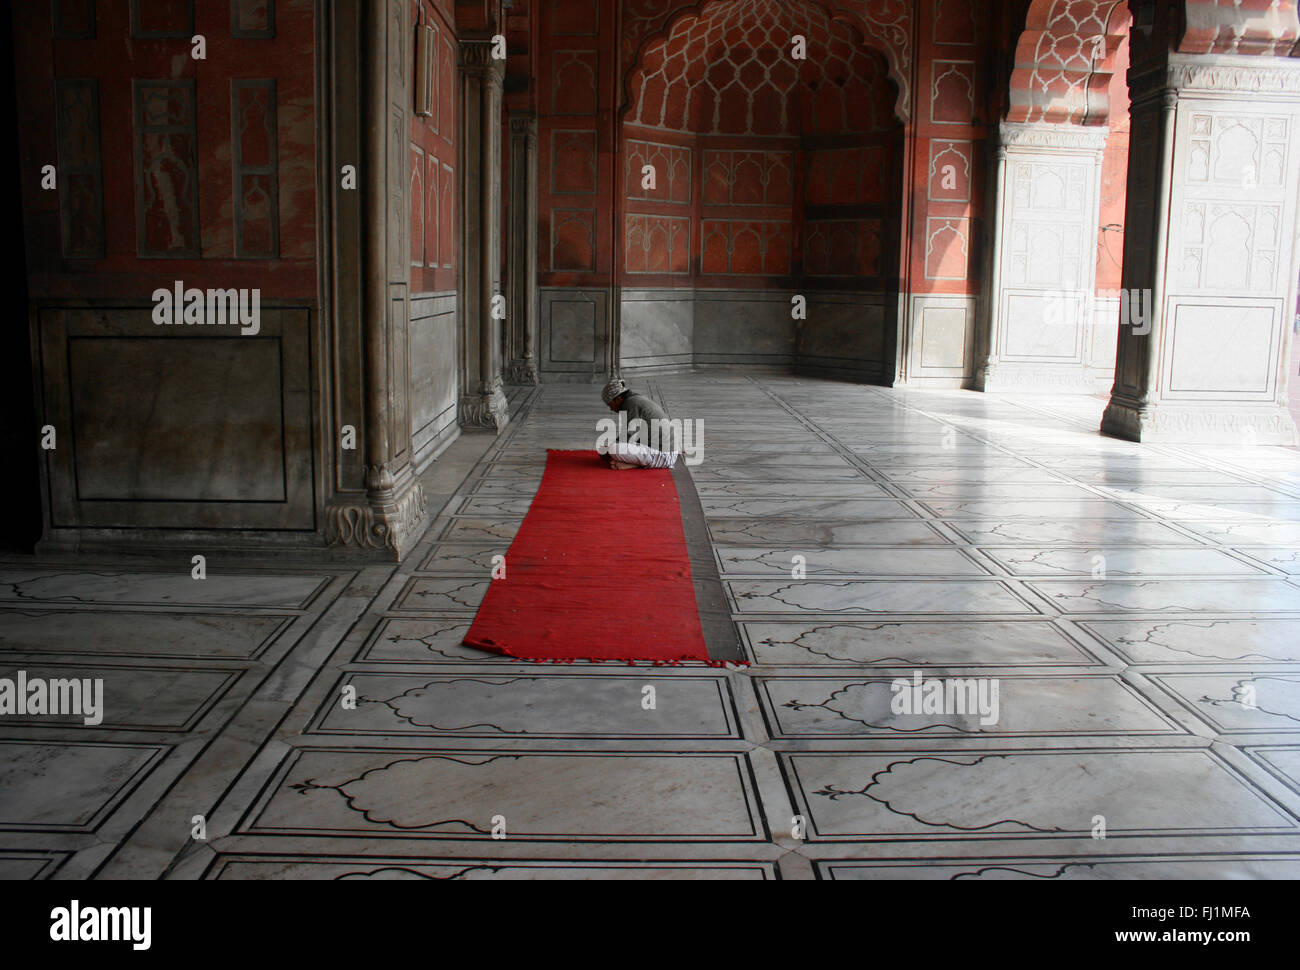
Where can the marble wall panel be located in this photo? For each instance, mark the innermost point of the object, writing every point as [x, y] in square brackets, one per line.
[942, 350]
[199, 421]
[572, 331]
[175, 426]
[433, 374]
[733, 327]
[658, 329]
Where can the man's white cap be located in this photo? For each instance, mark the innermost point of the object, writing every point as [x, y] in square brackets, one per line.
[613, 390]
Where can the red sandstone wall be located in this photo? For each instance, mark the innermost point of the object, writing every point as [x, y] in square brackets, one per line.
[948, 179]
[575, 102]
[164, 201]
[433, 160]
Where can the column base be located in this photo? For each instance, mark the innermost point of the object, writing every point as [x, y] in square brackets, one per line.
[522, 372]
[485, 411]
[1219, 423]
[388, 525]
[1012, 377]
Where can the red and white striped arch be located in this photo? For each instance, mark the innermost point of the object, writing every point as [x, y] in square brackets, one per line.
[1065, 59]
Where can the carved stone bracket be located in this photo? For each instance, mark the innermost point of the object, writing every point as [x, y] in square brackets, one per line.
[392, 529]
[1243, 74]
[476, 58]
[1040, 136]
[485, 411]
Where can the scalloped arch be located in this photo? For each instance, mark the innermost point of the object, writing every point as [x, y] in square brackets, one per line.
[1065, 59]
[885, 25]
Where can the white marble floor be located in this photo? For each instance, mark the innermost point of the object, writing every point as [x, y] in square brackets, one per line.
[1135, 609]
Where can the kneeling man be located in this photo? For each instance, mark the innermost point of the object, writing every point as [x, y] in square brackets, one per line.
[657, 427]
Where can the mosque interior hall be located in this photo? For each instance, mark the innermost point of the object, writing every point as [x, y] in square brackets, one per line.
[652, 440]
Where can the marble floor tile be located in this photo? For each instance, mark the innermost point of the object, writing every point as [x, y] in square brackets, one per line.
[536, 795]
[913, 643]
[799, 507]
[29, 865]
[512, 488]
[1239, 702]
[1287, 560]
[464, 560]
[492, 506]
[80, 784]
[1032, 509]
[234, 867]
[1261, 533]
[931, 597]
[1180, 596]
[1082, 868]
[1281, 760]
[446, 595]
[957, 449]
[712, 489]
[585, 705]
[423, 640]
[1055, 706]
[1216, 494]
[139, 633]
[1136, 479]
[133, 697]
[996, 491]
[766, 447]
[812, 534]
[155, 589]
[1288, 512]
[973, 475]
[1196, 640]
[466, 530]
[755, 471]
[717, 458]
[1128, 562]
[948, 467]
[1058, 792]
[1068, 532]
[906, 561]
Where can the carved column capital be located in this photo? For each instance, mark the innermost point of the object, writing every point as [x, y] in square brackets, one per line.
[379, 478]
[524, 125]
[476, 59]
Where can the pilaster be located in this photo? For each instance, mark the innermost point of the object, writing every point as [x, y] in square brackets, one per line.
[482, 402]
[521, 257]
[1043, 270]
[1216, 147]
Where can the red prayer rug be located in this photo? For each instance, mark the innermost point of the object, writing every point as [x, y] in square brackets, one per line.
[598, 571]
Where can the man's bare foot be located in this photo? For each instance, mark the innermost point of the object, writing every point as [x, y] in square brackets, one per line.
[619, 466]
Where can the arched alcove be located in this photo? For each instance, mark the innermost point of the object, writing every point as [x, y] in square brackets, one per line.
[754, 175]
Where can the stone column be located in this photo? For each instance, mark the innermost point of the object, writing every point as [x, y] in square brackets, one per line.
[1210, 251]
[482, 402]
[1044, 266]
[393, 516]
[521, 254]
